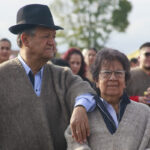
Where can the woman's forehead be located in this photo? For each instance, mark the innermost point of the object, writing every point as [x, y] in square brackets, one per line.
[110, 63]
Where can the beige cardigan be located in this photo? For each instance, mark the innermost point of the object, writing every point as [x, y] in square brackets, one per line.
[133, 132]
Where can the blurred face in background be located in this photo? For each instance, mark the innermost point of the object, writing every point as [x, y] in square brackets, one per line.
[75, 63]
[144, 58]
[90, 57]
[4, 51]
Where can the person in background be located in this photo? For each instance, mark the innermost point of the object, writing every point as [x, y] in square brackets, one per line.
[117, 122]
[138, 85]
[134, 62]
[36, 97]
[89, 58]
[76, 61]
[5, 48]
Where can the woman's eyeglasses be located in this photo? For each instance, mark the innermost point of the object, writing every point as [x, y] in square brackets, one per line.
[106, 74]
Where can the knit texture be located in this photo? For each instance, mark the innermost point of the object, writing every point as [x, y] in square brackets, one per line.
[29, 122]
[133, 132]
[138, 83]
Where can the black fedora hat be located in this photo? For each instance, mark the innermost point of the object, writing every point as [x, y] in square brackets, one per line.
[33, 15]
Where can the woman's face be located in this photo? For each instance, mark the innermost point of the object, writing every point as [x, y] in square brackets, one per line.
[111, 84]
[4, 51]
[90, 57]
[75, 63]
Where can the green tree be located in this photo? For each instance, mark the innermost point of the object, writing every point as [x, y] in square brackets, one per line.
[89, 23]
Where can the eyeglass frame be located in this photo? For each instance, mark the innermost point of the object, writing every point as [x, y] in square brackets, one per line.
[147, 54]
[118, 76]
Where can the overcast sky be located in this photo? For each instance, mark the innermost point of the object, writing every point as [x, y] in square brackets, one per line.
[137, 33]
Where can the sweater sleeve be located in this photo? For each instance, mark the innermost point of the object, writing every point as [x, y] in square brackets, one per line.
[72, 144]
[134, 98]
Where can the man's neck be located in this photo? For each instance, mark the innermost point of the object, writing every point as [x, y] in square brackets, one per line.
[147, 71]
[33, 63]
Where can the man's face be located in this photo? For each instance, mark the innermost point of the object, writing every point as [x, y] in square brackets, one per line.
[42, 44]
[144, 58]
[4, 51]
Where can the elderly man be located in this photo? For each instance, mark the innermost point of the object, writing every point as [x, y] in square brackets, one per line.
[36, 97]
[5, 46]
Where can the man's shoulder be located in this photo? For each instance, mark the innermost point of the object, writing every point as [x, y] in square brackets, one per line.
[137, 72]
[56, 68]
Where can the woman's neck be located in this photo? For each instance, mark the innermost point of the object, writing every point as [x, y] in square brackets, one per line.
[114, 101]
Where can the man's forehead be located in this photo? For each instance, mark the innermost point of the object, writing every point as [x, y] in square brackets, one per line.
[145, 49]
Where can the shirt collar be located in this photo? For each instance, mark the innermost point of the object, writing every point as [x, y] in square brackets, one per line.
[27, 68]
[124, 100]
[105, 102]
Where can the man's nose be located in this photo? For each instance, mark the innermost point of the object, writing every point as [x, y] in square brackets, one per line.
[52, 41]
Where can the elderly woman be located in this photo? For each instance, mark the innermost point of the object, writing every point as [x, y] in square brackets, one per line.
[116, 123]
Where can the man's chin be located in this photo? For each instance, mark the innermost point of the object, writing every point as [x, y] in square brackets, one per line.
[47, 58]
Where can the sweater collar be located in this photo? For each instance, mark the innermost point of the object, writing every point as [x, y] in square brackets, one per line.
[124, 101]
[27, 68]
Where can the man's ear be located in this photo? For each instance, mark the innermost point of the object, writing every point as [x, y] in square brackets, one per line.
[25, 39]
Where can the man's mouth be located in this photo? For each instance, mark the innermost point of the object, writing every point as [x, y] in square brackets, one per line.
[50, 48]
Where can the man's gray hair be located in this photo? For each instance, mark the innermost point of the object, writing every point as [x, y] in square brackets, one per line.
[30, 32]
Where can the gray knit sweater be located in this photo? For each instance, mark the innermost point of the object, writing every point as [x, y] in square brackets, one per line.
[28, 122]
[133, 132]
[138, 83]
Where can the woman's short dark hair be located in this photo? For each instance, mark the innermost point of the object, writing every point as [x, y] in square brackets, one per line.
[67, 56]
[109, 55]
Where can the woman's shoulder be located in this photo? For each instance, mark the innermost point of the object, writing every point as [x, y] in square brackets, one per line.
[139, 107]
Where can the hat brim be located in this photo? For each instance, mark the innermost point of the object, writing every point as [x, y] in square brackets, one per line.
[21, 27]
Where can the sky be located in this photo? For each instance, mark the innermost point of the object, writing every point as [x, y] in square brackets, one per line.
[137, 33]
